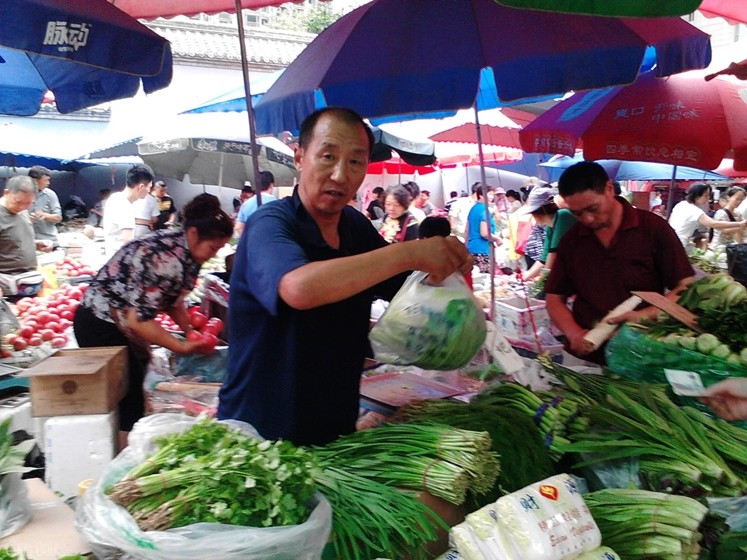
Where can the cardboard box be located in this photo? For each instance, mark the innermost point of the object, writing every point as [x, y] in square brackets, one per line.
[78, 381]
[513, 317]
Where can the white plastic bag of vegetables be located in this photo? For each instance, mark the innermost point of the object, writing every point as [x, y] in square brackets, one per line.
[110, 530]
[433, 327]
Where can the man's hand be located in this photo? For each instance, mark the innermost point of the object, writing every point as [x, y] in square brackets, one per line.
[579, 345]
[440, 257]
[728, 398]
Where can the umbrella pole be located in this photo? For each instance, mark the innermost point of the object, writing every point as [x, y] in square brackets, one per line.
[249, 108]
[484, 181]
[672, 190]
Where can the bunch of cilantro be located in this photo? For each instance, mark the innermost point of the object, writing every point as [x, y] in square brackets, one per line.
[214, 473]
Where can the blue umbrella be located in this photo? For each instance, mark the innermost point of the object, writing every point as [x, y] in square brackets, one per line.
[634, 170]
[85, 52]
[393, 57]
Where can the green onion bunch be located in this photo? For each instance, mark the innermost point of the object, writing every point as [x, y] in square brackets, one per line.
[681, 450]
[514, 437]
[214, 473]
[445, 461]
[644, 525]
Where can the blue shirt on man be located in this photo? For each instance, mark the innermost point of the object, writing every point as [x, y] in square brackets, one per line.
[295, 374]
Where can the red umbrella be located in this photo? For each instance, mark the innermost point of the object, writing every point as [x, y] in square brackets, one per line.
[682, 120]
[731, 10]
[167, 8]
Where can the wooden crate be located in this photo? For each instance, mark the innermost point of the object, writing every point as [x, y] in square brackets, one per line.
[78, 381]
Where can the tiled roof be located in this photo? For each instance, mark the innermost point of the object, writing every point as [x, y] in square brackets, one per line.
[201, 42]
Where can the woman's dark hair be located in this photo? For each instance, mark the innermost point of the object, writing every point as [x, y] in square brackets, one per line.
[204, 214]
[514, 194]
[401, 195]
[695, 191]
[731, 191]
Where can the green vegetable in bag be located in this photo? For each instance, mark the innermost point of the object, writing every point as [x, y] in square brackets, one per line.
[434, 327]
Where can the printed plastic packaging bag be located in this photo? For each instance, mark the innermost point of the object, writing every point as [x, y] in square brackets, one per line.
[109, 528]
[433, 327]
[15, 508]
[548, 520]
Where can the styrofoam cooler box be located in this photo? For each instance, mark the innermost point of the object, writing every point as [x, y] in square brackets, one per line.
[77, 448]
[513, 320]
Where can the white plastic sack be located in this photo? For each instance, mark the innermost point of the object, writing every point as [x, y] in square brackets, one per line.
[15, 508]
[109, 528]
[433, 327]
[548, 520]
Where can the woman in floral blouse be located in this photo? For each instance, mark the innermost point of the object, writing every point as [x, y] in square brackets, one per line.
[145, 277]
[399, 225]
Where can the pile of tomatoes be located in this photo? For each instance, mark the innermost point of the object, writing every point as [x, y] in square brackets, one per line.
[45, 319]
[204, 328]
[70, 267]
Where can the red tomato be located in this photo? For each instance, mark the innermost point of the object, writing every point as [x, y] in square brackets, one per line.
[43, 317]
[47, 334]
[59, 341]
[194, 336]
[76, 294]
[53, 326]
[10, 338]
[214, 326]
[210, 339]
[27, 331]
[20, 344]
[198, 320]
[67, 313]
[65, 324]
[193, 309]
[35, 340]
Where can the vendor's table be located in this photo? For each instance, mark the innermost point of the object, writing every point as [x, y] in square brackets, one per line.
[51, 532]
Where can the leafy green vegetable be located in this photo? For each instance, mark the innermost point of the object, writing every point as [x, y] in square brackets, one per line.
[433, 327]
[216, 474]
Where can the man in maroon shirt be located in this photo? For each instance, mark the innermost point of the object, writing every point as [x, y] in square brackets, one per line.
[613, 250]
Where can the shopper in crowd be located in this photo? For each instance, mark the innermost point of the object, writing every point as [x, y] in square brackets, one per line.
[733, 197]
[250, 206]
[45, 212]
[147, 276]
[434, 225]
[415, 210]
[453, 197]
[514, 200]
[612, 250]
[688, 215]
[307, 269]
[481, 235]
[375, 210]
[728, 398]
[424, 203]
[119, 215]
[544, 206]
[460, 210]
[97, 210]
[146, 213]
[399, 223]
[246, 193]
[17, 244]
[166, 207]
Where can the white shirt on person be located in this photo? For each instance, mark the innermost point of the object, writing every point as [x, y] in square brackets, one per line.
[119, 215]
[684, 221]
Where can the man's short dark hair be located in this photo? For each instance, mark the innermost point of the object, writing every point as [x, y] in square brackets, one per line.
[347, 115]
[583, 176]
[266, 179]
[378, 190]
[427, 193]
[39, 171]
[453, 194]
[139, 173]
[247, 189]
[434, 226]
